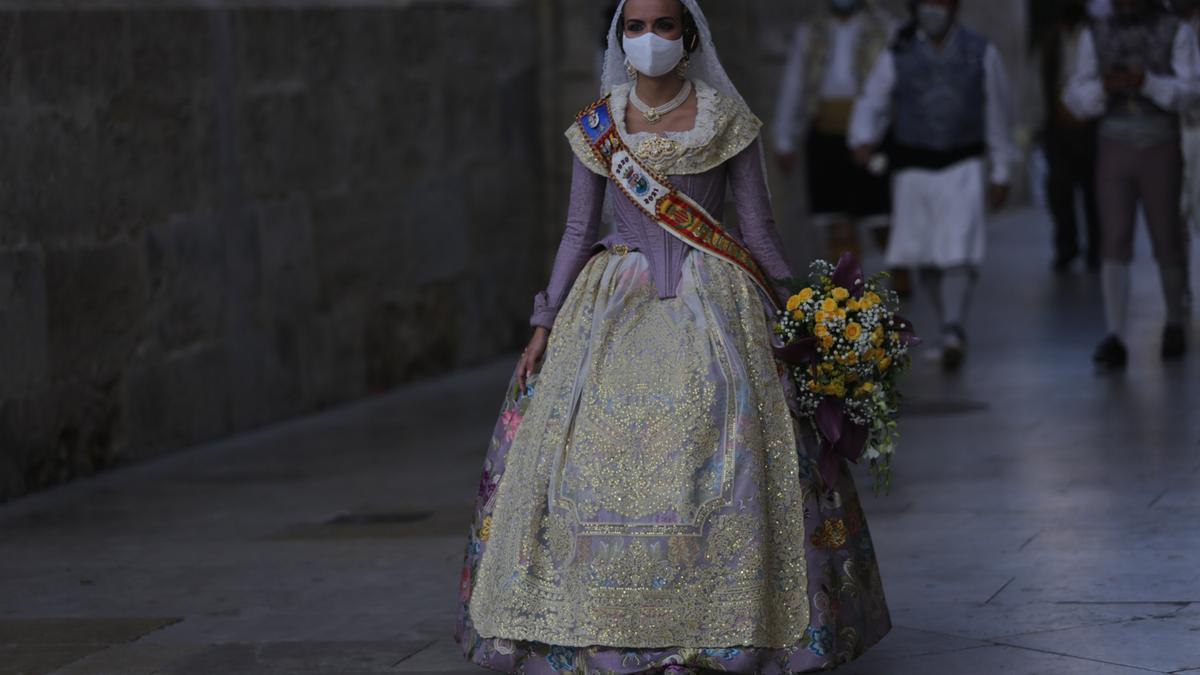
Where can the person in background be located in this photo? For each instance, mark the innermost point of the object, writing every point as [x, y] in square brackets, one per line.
[944, 90]
[1135, 72]
[1069, 143]
[829, 60]
[1189, 12]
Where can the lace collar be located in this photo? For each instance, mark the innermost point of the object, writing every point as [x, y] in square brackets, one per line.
[724, 127]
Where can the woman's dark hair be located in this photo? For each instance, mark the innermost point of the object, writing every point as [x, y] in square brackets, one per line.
[691, 32]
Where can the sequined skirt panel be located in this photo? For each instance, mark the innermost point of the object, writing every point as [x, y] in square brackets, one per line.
[650, 498]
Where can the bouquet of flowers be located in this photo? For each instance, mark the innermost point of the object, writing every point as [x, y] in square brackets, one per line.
[846, 347]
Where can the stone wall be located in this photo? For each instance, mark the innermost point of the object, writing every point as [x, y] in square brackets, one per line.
[213, 219]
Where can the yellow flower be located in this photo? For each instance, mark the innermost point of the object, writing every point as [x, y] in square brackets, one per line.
[836, 389]
[822, 317]
[866, 387]
[794, 303]
[885, 363]
[849, 359]
[827, 367]
[798, 315]
[805, 295]
[827, 342]
[872, 298]
[815, 386]
[877, 336]
[840, 294]
[853, 331]
[830, 305]
[821, 330]
[840, 313]
[853, 305]
[485, 530]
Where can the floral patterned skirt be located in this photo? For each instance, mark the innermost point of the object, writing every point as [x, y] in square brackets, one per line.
[651, 503]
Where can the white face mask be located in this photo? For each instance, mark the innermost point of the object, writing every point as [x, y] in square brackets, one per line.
[934, 20]
[652, 55]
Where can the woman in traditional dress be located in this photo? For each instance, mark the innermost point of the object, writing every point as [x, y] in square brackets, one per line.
[648, 500]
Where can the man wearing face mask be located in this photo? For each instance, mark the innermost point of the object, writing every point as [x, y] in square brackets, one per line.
[1136, 72]
[944, 90]
[829, 60]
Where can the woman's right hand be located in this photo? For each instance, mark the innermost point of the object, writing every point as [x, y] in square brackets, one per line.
[532, 356]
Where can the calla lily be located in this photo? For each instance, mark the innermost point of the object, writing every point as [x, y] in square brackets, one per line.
[830, 417]
[849, 275]
[904, 328]
[799, 353]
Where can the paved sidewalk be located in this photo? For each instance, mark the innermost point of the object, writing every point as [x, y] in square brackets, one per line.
[1046, 519]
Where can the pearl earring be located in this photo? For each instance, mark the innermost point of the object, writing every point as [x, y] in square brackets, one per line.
[633, 73]
[681, 69]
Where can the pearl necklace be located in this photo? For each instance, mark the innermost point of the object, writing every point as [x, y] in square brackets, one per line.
[655, 115]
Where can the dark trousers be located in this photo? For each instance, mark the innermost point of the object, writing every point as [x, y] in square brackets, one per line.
[1071, 154]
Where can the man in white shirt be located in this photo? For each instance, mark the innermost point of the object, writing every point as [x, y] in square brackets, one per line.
[1136, 72]
[829, 59]
[943, 88]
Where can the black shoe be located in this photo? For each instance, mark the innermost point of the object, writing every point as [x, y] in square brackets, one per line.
[1111, 353]
[954, 348]
[1174, 342]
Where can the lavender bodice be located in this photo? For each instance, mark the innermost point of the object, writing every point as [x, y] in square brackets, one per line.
[743, 173]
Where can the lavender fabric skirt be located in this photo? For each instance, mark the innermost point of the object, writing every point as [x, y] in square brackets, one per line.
[593, 551]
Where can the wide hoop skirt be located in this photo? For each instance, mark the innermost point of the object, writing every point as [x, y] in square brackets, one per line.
[653, 502]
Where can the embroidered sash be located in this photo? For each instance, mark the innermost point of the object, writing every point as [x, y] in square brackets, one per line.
[657, 198]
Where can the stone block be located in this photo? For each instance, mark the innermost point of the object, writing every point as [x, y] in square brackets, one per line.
[359, 242]
[333, 356]
[72, 58]
[434, 220]
[415, 35]
[23, 322]
[264, 380]
[186, 266]
[57, 187]
[269, 46]
[171, 51]
[180, 401]
[8, 44]
[414, 333]
[96, 297]
[288, 267]
[155, 150]
[289, 141]
[61, 432]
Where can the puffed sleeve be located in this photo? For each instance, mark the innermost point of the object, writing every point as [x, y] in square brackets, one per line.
[575, 249]
[759, 234]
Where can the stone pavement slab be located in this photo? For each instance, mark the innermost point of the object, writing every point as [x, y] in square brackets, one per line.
[135, 659]
[991, 659]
